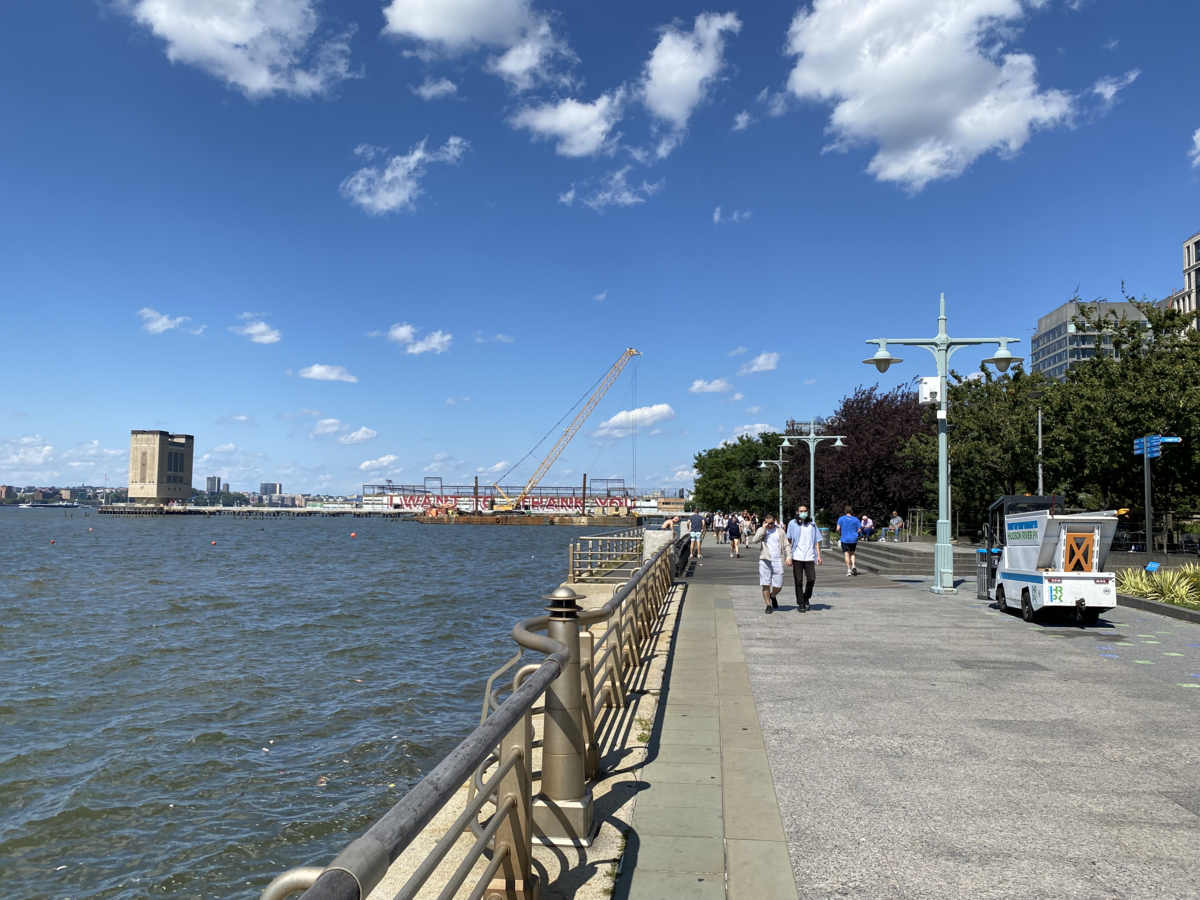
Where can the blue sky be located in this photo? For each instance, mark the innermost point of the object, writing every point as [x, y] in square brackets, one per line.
[348, 241]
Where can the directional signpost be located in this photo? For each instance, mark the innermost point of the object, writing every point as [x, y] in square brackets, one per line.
[1148, 448]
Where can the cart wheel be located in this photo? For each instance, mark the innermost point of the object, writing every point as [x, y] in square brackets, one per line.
[1090, 617]
[1000, 601]
[1027, 610]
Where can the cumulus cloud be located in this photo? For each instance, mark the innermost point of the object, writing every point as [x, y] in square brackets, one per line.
[686, 475]
[361, 436]
[622, 424]
[29, 456]
[322, 372]
[680, 72]
[527, 41]
[326, 428]
[260, 47]
[1194, 153]
[1106, 88]
[716, 386]
[378, 465]
[752, 410]
[737, 216]
[754, 430]
[256, 329]
[738, 351]
[481, 338]
[396, 186]
[227, 448]
[497, 468]
[764, 362]
[581, 129]
[741, 121]
[156, 323]
[443, 463]
[435, 342]
[435, 89]
[924, 80]
[615, 190]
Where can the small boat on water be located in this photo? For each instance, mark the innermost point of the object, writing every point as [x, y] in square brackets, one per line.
[61, 504]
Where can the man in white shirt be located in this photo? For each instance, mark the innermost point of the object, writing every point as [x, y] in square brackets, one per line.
[775, 554]
[805, 539]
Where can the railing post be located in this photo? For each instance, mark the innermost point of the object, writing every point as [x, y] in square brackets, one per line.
[587, 673]
[572, 549]
[563, 812]
[516, 879]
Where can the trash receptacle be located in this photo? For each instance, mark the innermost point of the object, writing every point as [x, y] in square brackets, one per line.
[824, 538]
[981, 574]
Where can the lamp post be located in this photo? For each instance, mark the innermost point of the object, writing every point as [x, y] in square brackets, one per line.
[1036, 397]
[812, 439]
[942, 346]
[778, 463]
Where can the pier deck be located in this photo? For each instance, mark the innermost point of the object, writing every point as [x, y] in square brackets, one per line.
[900, 744]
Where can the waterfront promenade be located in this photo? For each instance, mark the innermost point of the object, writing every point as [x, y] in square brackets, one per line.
[893, 743]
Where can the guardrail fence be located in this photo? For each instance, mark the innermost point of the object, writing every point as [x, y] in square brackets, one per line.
[607, 558]
[583, 678]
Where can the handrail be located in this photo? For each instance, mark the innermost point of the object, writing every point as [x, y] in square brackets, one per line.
[504, 740]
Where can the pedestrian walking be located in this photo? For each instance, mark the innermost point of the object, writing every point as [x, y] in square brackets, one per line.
[719, 527]
[805, 538]
[733, 533]
[895, 523]
[776, 553]
[696, 523]
[848, 528]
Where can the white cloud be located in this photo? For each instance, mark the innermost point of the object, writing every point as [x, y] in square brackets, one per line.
[503, 338]
[686, 475]
[368, 151]
[753, 429]
[581, 129]
[622, 424]
[738, 216]
[436, 342]
[361, 436]
[809, 382]
[680, 71]
[321, 372]
[764, 362]
[741, 121]
[1194, 153]
[1107, 87]
[256, 329]
[303, 412]
[1110, 44]
[378, 465]
[567, 197]
[327, 427]
[227, 448]
[925, 80]
[500, 467]
[738, 351]
[435, 89]
[602, 296]
[238, 420]
[752, 410]
[481, 338]
[397, 185]
[260, 47]
[156, 323]
[616, 191]
[29, 455]
[716, 386]
[442, 464]
[450, 401]
[447, 27]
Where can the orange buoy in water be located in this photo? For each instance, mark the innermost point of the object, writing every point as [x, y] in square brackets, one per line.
[352, 534]
[214, 543]
[52, 542]
[89, 529]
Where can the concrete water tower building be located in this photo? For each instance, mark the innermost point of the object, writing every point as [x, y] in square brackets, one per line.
[160, 467]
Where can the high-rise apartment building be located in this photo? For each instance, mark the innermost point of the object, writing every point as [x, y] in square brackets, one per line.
[1058, 344]
[1185, 299]
[212, 484]
[160, 467]
[225, 487]
[267, 488]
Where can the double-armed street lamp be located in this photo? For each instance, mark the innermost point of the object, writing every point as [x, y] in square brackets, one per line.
[778, 463]
[942, 346]
[812, 439]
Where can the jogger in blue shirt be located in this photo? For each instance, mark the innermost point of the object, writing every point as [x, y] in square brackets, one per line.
[848, 528]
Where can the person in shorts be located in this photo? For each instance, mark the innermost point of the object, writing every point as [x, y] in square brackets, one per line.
[775, 555]
[733, 534]
[848, 528]
[696, 523]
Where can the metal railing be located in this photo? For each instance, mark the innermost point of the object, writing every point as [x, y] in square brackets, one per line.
[584, 679]
[607, 558]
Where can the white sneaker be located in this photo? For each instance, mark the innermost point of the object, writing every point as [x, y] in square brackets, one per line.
[848, 573]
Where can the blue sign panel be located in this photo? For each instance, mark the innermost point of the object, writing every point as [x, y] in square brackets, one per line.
[1172, 440]
[1152, 567]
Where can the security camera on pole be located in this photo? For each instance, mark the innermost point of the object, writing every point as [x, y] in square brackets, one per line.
[942, 347]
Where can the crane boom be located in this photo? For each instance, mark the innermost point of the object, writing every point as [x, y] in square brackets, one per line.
[570, 430]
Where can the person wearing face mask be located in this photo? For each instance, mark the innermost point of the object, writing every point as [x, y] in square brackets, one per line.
[805, 538]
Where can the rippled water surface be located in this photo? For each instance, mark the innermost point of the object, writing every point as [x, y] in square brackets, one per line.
[189, 719]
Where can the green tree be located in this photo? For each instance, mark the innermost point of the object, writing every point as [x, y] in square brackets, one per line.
[729, 477]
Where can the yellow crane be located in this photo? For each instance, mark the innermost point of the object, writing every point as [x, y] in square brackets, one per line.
[508, 504]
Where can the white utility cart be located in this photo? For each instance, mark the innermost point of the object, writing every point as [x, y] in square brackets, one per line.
[1037, 559]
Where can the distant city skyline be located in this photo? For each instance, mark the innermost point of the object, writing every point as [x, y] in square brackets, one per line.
[365, 240]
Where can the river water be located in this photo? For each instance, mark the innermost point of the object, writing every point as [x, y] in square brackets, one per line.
[184, 718]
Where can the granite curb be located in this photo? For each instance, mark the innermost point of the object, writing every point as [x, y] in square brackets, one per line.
[1163, 609]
